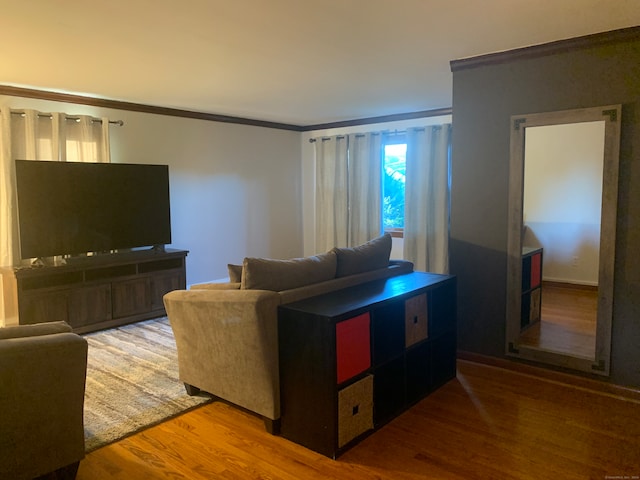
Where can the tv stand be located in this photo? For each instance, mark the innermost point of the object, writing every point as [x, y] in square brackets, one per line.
[101, 291]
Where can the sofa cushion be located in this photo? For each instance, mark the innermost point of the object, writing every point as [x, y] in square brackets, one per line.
[235, 273]
[369, 256]
[278, 275]
[222, 285]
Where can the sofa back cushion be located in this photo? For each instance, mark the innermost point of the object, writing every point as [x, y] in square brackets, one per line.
[369, 256]
[278, 275]
[395, 267]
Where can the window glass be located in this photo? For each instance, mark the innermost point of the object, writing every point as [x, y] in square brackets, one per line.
[395, 155]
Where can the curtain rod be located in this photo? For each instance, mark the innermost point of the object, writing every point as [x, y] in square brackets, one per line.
[384, 132]
[120, 123]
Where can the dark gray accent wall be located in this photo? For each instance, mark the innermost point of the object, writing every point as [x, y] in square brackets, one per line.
[485, 95]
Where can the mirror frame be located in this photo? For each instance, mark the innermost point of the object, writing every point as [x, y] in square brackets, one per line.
[611, 114]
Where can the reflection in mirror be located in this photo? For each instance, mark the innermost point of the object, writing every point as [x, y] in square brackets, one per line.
[560, 313]
[561, 215]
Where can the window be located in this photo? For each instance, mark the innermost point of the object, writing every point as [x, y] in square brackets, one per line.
[395, 155]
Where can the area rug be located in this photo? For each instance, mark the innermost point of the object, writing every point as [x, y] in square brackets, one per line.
[132, 381]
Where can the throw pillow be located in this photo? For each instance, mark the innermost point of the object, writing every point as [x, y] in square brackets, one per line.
[369, 256]
[235, 273]
[279, 275]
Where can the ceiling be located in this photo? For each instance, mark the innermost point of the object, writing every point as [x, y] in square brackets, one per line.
[299, 62]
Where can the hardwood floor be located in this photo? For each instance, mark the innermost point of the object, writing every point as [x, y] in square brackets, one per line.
[488, 423]
[568, 321]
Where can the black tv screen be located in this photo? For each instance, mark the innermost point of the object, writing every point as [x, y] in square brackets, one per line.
[68, 208]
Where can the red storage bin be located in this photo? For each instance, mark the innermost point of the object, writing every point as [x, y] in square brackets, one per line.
[536, 270]
[353, 346]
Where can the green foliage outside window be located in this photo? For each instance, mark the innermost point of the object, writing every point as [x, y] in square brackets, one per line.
[393, 186]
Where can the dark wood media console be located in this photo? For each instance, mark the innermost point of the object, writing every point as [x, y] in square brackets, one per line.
[351, 360]
[104, 291]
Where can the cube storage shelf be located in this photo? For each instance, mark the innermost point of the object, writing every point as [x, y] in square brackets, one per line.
[99, 292]
[352, 360]
[531, 303]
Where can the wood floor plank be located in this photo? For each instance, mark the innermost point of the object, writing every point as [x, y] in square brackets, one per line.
[487, 423]
[568, 321]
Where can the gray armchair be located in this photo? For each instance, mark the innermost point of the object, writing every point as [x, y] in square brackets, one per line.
[227, 343]
[42, 380]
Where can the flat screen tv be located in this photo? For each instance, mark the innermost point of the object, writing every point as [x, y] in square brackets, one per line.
[71, 208]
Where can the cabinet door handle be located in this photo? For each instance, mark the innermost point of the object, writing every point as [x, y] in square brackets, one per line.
[356, 410]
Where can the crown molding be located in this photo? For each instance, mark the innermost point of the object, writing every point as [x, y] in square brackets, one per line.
[560, 46]
[138, 107]
[382, 119]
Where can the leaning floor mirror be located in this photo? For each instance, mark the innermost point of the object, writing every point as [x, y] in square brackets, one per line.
[563, 190]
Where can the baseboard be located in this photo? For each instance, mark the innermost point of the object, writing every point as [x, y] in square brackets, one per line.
[575, 286]
[549, 374]
[569, 282]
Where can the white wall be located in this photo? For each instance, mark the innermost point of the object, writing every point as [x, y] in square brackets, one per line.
[308, 171]
[562, 198]
[235, 189]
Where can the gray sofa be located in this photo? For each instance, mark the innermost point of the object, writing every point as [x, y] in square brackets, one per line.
[227, 333]
[42, 381]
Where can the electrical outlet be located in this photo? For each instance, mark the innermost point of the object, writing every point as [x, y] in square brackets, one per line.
[574, 262]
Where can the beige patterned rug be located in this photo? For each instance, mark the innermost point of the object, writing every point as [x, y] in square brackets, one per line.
[132, 381]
